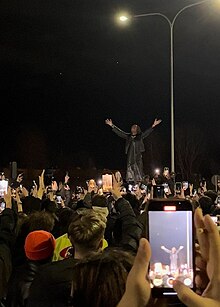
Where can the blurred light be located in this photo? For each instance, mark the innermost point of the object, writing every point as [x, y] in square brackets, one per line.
[158, 282]
[123, 18]
[169, 208]
[157, 171]
[170, 282]
[99, 182]
[187, 282]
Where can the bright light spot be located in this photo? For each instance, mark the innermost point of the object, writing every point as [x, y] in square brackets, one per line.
[187, 282]
[158, 282]
[123, 18]
[99, 182]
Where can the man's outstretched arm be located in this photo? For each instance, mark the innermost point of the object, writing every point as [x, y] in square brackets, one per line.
[165, 249]
[117, 130]
[147, 132]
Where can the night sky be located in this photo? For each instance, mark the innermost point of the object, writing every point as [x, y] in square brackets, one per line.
[66, 65]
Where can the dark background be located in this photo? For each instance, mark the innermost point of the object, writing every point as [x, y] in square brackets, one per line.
[67, 65]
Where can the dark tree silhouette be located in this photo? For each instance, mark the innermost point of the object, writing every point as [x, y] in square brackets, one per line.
[190, 151]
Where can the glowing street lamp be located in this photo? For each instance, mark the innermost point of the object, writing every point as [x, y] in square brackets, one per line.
[171, 23]
[123, 18]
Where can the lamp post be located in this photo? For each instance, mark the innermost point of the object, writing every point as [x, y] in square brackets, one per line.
[171, 24]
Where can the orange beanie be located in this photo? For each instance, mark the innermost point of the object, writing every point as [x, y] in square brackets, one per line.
[39, 245]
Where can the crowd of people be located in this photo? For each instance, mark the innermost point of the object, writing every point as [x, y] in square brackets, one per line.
[83, 246]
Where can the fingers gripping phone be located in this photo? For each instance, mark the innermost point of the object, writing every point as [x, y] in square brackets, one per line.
[170, 233]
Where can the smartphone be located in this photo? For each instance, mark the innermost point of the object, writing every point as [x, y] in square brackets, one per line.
[158, 191]
[170, 233]
[143, 187]
[135, 187]
[3, 187]
[107, 183]
[185, 185]
[215, 219]
[59, 199]
[166, 187]
[178, 187]
[2, 205]
[130, 187]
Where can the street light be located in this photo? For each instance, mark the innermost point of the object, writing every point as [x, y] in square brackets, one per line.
[171, 24]
[123, 18]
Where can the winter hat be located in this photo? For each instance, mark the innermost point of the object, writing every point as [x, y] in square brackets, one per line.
[39, 245]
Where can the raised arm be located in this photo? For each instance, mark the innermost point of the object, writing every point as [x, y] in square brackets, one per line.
[179, 249]
[147, 132]
[117, 130]
[165, 249]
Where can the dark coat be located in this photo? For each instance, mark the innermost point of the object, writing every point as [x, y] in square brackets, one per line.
[127, 136]
[8, 221]
[52, 285]
[19, 284]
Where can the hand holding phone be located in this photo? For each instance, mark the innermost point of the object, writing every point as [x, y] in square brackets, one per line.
[170, 233]
[137, 286]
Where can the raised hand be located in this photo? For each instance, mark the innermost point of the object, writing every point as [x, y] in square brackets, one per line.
[54, 186]
[20, 178]
[116, 188]
[67, 178]
[156, 122]
[209, 242]
[7, 198]
[138, 291]
[109, 122]
[41, 189]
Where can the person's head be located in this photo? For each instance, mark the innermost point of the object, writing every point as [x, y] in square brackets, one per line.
[39, 246]
[99, 204]
[166, 172]
[92, 184]
[41, 221]
[66, 215]
[135, 129]
[146, 179]
[118, 177]
[86, 233]
[205, 204]
[31, 204]
[212, 194]
[100, 280]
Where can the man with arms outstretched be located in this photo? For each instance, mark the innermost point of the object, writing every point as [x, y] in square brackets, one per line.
[134, 148]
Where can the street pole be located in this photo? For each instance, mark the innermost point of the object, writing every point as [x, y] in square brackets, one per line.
[171, 24]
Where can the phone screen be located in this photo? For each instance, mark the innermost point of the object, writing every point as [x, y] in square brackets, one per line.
[59, 199]
[107, 183]
[215, 219]
[166, 187]
[3, 187]
[158, 191]
[185, 185]
[171, 239]
[2, 206]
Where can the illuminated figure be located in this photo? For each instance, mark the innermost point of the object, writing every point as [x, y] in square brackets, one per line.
[173, 256]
